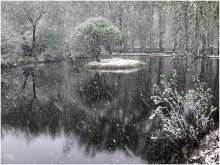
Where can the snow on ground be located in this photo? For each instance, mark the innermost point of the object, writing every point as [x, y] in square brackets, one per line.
[208, 151]
[115, 64]
[125, 71]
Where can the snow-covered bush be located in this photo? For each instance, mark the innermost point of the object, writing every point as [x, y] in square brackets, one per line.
[183, 116]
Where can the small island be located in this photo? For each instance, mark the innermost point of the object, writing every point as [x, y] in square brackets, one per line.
[115, 64]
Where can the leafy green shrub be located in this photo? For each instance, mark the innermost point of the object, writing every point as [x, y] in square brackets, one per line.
[94, 32]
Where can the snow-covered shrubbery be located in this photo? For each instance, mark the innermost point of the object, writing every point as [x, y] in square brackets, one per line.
[186, 117]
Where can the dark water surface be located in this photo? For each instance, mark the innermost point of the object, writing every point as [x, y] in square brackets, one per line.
[60, 113]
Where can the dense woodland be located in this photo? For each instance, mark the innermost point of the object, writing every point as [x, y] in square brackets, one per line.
[45, 28]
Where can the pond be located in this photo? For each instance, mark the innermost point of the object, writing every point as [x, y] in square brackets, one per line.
[61, 113]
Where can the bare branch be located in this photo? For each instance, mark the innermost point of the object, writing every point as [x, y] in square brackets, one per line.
[29, 18]
[124, 5]
[41, 14]
[109, 5]
[157, 4]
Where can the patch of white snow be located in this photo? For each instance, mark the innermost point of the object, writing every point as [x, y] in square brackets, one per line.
[116, 64]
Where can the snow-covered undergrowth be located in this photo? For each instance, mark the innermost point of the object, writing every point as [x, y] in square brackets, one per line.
[183, 116]
[115, 64]
[207, 151]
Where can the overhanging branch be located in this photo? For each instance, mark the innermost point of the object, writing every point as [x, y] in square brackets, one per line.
[41, 14]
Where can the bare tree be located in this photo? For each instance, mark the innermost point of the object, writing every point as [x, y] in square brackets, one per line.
[34, 22]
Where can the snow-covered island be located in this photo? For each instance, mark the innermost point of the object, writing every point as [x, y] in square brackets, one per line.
[115, 64]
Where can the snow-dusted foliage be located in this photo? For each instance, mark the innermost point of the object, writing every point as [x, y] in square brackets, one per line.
[183, 116]
[208, 150]
[93, 33]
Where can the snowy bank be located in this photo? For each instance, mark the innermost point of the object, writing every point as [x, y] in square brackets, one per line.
[208, 150]
[115, 64]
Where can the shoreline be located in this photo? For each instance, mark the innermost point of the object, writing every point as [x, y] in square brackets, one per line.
[31, 60]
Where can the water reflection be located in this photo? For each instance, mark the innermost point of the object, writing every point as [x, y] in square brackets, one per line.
[89, 114]
[27, 72]
[96, 93]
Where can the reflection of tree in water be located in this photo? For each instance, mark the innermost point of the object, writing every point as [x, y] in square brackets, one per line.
[35, 121]
[27, 72]
[30, 115]
[96, 93]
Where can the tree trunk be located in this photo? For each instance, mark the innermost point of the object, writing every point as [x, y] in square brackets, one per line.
[186, 43]
[120, 23]
[97, 54]
[212, 42]
[186, 35]
[142, 46]
[203, 45]
[151, 22]
[197, 31]
[209, 47]
[34, 84]
[109, 50]
[161, 31]
[96, 50]
[132, 43]
[160, 69]
[218, 48]
[202, 69]
[175, 28]
[150, 43]
[175, 44]
[33, 40]
[125, 44]
[184, 75]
